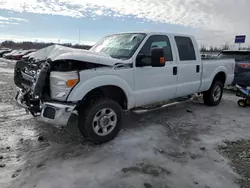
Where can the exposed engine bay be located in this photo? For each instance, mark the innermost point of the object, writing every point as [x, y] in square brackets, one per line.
[47, 80]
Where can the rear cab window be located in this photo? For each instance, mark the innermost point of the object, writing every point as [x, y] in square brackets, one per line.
[185, 48]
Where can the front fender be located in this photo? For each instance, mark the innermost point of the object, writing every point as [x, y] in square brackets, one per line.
[85, 87]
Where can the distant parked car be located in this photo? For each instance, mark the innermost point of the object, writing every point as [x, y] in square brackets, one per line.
[206, 56]
[18, 56]
[15, 54]
[242, 65]
[8, 55]
[27, 56]
[4, 51]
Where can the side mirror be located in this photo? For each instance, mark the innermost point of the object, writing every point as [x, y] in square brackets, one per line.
[157, 57]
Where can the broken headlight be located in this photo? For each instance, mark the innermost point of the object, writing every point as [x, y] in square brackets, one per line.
[61, 84]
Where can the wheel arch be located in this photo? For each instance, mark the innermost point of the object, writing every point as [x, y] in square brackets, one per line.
[220, 76]
[107, 86]
[107, 91]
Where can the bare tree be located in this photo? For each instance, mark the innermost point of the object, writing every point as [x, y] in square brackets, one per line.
[225, 47]
[203, 48]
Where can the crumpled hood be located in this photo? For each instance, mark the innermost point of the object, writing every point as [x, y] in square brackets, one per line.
[50, 52]
[89, 56]
[58, 52]
[53, 51]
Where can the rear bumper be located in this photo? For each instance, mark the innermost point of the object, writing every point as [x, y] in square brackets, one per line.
[51, 112]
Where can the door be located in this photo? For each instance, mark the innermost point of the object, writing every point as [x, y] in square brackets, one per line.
[189, 67]
[154, 84]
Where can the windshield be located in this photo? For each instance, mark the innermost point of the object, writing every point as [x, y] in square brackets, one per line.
[120, 46]
[235, 55]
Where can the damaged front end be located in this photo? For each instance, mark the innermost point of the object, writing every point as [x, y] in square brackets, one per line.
[30, 78]
[43, 88]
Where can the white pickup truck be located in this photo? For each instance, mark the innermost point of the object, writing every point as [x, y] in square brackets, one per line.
[120, 72]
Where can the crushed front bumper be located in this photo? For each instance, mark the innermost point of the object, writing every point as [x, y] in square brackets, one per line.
[51, 112]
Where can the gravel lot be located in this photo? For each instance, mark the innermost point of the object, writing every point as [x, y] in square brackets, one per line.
[239, 154]
[180, 146]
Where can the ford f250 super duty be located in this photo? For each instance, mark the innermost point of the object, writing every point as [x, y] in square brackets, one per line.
[120, 72]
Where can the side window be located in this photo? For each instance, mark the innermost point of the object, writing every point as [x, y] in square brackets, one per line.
[158, 41]
[185, 48]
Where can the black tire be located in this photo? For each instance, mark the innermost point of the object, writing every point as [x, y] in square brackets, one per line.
[86, 120]
[242, 103]
[208, 96]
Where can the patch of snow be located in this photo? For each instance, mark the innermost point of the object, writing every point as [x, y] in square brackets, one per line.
[4, 64]
[7, 70]
[24, 117]
[5, 106]
[13, 113]
[3, 60]
[146, 141]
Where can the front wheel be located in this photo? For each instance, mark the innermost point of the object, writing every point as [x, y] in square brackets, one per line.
[213, 96]
[101, 121]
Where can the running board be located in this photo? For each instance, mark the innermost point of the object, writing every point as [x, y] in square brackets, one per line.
[141, 110]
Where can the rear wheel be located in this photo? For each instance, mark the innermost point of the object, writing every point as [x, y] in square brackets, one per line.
[101, 121]
[213, 96]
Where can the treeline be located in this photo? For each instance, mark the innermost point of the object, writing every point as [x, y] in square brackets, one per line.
[214, 49]
[37, 45]
[218, 49]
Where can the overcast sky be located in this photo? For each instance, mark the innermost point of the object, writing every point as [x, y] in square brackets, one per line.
[211, 21]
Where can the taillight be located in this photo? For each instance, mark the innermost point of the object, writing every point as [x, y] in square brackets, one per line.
[244, 65]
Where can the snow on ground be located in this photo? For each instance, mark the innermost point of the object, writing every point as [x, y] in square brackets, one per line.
[4, 61]
[6, 66]
[7, 70]
[170, 148]
[3, 64]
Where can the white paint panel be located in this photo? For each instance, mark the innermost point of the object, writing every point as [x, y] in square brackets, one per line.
[153, 84]
[189, 80]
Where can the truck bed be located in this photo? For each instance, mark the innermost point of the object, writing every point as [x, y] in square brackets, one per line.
[212, 66]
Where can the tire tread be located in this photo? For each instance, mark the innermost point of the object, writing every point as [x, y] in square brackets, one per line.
[207, 96]
[85, 127]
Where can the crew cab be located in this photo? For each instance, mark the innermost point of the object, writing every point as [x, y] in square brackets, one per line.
[120, 72]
